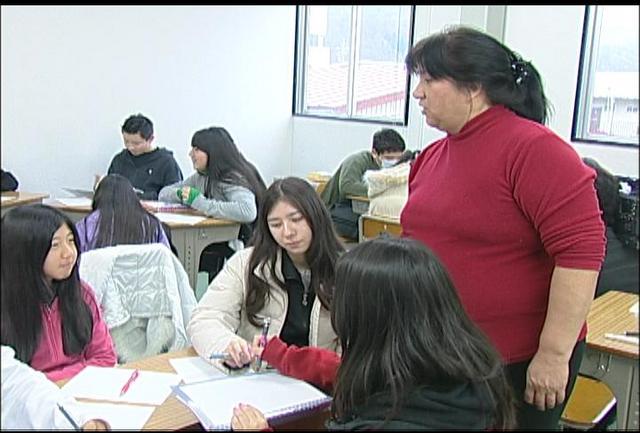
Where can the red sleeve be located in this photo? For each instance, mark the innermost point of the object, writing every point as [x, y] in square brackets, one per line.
[100, 350]
[556, 192]
[311, 364]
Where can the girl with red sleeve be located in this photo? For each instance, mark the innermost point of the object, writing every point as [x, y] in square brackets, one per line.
[411, 357]
[49, 317]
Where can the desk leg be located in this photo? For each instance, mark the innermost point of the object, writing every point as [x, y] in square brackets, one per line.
[180, 239]
[621, 374]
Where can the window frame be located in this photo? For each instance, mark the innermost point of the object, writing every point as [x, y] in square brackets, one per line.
[301, 49]
[585, 84]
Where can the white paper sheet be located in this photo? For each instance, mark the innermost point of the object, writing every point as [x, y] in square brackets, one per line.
[195, 369]
[167, 217]
[74, 201]
[105, 383]
[8, 197]
[119, 416]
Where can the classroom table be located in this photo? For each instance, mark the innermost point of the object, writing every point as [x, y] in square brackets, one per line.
[11, 199]
[172, 414]
[614, 362]
[189, 239]
[372, 226]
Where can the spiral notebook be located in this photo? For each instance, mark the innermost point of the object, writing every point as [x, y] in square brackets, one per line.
[275, 395]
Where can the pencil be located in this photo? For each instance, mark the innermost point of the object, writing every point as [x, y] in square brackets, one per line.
[69, 418]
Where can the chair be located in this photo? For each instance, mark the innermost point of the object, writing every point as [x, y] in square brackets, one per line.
[591, 406]
[145, 297]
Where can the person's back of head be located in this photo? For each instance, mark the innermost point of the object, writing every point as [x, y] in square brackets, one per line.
[138, 124]
[27, 239]
[397, 290]
[123, 220]
[322, 252]
[607, 188]
[471, 58]
[388, 140]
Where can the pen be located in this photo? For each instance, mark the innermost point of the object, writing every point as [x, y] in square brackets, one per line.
[632, 333]
[68, 417]
[131, 379]
[220, 355]
[623, 338]
[263, 339]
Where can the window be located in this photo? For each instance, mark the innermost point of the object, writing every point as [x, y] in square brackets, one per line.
[606, 109]
[350, 62]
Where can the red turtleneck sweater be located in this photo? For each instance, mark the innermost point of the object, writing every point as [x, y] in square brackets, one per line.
[502, 203]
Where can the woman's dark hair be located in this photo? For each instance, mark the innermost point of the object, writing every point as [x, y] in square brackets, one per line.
[226, 163]
[322, 253]
[607, 188]
[471, 58]
[27, 232]
[123, 220]
[401, 325]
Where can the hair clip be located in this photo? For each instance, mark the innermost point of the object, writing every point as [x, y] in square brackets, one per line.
[518, 69]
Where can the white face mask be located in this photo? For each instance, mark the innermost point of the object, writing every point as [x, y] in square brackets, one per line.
[386, 163]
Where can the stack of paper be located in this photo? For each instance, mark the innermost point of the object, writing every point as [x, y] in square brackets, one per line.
[275, 395]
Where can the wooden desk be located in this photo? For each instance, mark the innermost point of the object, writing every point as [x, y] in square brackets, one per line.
[173, 415]
[11, 199]
[189, 240]
[614, 362]
[371, 226]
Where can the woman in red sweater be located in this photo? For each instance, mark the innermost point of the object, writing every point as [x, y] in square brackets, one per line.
[510, 209]
[411, 359]
[49, 316]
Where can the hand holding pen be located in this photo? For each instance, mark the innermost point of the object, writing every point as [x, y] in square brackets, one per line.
[236, 355]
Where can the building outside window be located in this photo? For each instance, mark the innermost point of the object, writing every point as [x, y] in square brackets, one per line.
[606, 109]
[350, 62]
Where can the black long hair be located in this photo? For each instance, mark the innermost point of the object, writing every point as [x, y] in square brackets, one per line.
[322, 253]
[26, 240]
[226, 163]
[470, 58]
[123, 220]
[397, 291]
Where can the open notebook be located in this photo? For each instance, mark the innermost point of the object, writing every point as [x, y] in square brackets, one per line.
[275, 395]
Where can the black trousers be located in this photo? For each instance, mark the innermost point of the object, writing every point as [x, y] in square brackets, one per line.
[528, 416]
[344, 219]
[213, 258]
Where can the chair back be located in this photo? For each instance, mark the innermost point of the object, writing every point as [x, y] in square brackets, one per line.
[145, 296]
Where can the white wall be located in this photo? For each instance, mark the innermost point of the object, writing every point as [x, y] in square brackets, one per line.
[72, 74]
[549, 36]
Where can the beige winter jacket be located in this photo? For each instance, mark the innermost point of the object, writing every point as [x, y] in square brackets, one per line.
[220, 316]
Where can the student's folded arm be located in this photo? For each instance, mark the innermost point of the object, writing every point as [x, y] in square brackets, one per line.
[351, 182]
[311, 364]
[216, 319]
[168, 193]
[240, 205]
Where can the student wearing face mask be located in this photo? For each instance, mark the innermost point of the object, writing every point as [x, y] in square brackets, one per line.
[387, 148]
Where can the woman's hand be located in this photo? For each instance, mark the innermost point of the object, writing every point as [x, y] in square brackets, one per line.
[240, 354]
[96, 424]
[247, 417]
[547, 378]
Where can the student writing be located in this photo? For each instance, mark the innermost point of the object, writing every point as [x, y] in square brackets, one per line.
[411, 357]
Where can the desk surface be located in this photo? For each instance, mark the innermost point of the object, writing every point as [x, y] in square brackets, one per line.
[205, 223]
[358, 198]
[21, 197]
[610, 314]
[173, 415]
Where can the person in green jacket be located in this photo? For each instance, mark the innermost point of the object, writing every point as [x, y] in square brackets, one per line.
[387, 148]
